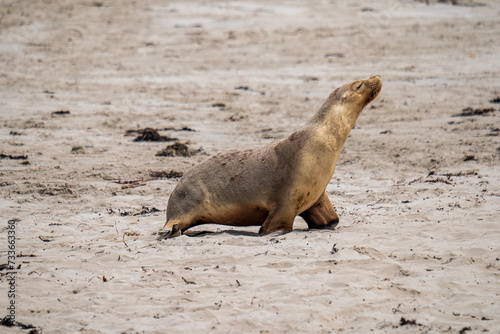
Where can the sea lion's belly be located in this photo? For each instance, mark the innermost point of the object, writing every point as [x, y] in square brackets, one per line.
[241, 214]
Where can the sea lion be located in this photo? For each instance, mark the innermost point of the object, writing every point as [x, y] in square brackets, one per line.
[271, 185]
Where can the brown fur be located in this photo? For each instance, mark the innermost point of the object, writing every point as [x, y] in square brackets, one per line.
[271, 185]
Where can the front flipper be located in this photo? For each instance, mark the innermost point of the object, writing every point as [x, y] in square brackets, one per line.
[172, 233]
[321, 215]
[278, 222]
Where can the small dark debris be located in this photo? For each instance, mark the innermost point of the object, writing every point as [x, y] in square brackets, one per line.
[26, 255]
[235, 118]
[4, 266]
[456, 3]
[334, 249]
[175, 150]
[248, 89]
[175, 129]
[61, 112]
[334, 55]
[48, 92]
[46, 239]
[97, 4]
[463, 330]
[386, 132]
[187, 282]
[77, 150]
[469, 157]
[367, 9]
[405, 202]
[15, 133]
[467, 173]
[171, 174]
[404, 322]
[495, 100]
[146, 210]
[467, 112]
[8, 322]
[494, 132]
[485, 319]
[218, 105]
[13, 157]
[129, 181]
[439, 179]
[150, 134]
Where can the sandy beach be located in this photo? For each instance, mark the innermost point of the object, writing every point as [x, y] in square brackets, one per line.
[417, 186]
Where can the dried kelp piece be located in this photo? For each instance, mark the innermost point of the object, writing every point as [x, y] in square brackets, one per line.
[467, 112]
[13, 157]
[150, 134]
[177, 149]
[60, 112]
[165, 174]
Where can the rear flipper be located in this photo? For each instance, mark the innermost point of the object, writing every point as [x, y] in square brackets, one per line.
[321, 215]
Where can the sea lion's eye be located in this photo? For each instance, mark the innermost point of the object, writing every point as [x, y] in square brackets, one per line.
[358, 85]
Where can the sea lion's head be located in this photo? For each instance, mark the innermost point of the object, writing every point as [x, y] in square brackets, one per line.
[350, 99]
[359, 93]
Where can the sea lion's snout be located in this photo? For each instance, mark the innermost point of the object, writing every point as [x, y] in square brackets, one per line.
[375, 83]
[375, 80]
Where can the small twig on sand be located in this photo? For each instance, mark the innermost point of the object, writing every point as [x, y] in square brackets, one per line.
[129, 234]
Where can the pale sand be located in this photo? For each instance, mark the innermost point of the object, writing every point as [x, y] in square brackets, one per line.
[410, 245]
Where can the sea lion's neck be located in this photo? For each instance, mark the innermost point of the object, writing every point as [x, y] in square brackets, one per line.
[335, 123]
